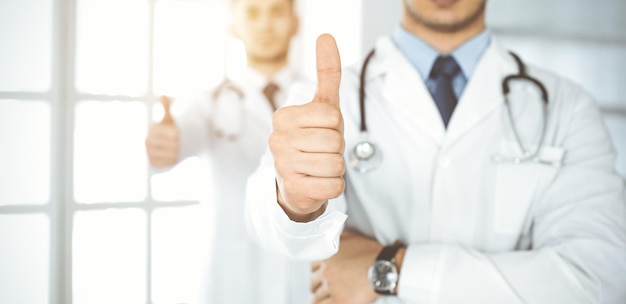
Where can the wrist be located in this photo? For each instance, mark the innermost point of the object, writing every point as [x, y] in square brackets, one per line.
[384, 273]
[303, 217]
[399, 258]
[296, 216]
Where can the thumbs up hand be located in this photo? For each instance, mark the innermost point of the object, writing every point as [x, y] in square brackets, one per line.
[166, 102]
[162, 142]
[307, 143]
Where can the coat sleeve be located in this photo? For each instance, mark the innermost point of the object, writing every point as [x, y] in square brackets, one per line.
[578, 252]
[268, 223]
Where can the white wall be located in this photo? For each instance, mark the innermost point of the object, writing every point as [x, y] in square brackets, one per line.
[579, 39]
[341, 18]
[379, 18]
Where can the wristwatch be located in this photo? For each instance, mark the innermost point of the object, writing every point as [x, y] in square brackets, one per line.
[383, 273]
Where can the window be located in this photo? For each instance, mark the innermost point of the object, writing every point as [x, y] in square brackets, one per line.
[27, 199]
[83, 219]
[128, 52]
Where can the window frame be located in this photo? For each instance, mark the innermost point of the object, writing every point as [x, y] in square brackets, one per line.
[66, 124]
[61, 206]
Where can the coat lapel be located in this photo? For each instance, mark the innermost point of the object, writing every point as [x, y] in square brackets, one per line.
[405, 90]
[482, 95]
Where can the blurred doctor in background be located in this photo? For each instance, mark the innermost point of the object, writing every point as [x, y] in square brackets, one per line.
[229, 127]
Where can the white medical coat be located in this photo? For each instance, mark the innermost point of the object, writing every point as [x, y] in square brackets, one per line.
[238, 269]
[477, 231]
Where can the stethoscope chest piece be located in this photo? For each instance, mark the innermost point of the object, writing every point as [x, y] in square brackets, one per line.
[365, 156]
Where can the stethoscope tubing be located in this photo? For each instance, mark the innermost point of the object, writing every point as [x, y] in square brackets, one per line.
[362, 79]
[527, 156]
[225, 85]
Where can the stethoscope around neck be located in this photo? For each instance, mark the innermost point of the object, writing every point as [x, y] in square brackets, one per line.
[227, 93]
[366, 156]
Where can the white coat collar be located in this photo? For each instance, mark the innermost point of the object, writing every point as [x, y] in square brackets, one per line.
[405, 89]
[252, 81]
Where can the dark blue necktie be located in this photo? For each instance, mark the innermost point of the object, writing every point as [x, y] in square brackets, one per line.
[444, 70]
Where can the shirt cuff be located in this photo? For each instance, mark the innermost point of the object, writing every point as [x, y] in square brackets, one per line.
[418, 275]
[315, 240]
[327, 227]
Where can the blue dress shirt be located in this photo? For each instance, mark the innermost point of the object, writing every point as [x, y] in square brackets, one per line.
[422, 56]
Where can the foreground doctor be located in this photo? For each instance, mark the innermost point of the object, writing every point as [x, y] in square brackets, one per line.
[239, 271]
[468, 229]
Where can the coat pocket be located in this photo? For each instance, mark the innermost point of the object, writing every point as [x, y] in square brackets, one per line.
[517, 185]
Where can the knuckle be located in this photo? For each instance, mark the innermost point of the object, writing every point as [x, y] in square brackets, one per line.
[173, 133]
[292, 187]
[342, 148]
[343, 145]
[339, 165]
[273, 141]
[287, 183]
[281, 166]
[328, 272]
[277, 141]
[305, 205]
[337, 187]
[277, 118]
[338, 142]
[282, 117]
[158, 129]
[335, 120]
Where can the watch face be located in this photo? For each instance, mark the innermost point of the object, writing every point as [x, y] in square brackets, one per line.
[383, 275]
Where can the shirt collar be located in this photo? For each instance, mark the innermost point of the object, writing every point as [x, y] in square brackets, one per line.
[422, 56]
[284, 78]
[258, 81]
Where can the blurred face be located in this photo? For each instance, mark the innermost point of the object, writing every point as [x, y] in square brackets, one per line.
[265, 27]
[445, 15]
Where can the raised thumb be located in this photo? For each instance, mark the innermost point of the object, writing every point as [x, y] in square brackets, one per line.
[166, 102]
[328, 70]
